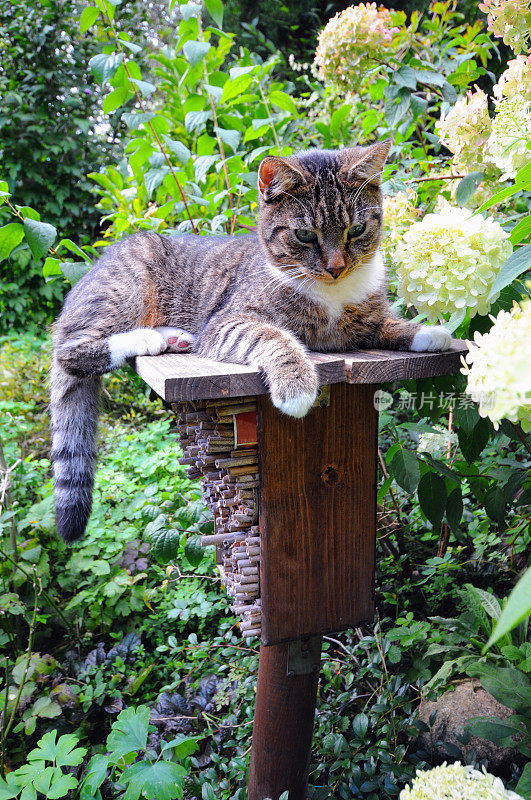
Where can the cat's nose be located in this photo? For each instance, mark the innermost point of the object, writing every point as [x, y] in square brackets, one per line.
[335, 263]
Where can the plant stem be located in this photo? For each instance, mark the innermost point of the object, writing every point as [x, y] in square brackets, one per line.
[268, 111]
[44, 594]
[519, 432]
[7, 728]
[6, 492]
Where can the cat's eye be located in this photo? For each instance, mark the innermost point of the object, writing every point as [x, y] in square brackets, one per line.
[356, 230]
[305, 235]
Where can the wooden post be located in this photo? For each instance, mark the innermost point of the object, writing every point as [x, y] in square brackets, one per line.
[317, 530]
[283, 726]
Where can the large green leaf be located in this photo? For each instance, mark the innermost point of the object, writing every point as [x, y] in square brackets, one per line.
[432, 497]
[405, 469]
[194, 52]
[517, 263]
[129, 732]
[104, 65]
[454, 509]
[517, 609]
[215, 9]
[162, 780]
[10, 236]
[467, 187]
[40, 236]
[523, 786]
[499, 731]
[89, 15]
[165, 544]
[193, 550]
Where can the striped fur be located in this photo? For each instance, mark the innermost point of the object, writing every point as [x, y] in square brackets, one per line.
[262, 299]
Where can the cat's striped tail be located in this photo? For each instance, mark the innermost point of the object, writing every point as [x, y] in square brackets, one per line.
[74, 409]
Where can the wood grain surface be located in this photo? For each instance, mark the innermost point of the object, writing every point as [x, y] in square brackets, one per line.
[176, 376]
[317, 515]
[282, 729]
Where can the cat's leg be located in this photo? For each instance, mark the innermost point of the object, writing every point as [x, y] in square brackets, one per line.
[89, 353]
[245, 339]
[399, 334]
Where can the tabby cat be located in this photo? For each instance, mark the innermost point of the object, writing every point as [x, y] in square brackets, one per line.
[311, 278]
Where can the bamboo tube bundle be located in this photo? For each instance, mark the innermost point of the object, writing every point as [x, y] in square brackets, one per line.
[218, 438]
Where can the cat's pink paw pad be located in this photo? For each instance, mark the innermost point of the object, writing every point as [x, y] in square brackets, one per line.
[177, 340]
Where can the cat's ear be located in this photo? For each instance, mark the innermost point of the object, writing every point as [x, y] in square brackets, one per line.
[364, 163]
[277, 175]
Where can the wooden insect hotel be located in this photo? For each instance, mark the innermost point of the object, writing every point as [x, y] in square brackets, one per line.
[294, 504]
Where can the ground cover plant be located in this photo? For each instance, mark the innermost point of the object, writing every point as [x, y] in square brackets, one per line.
[123, 672]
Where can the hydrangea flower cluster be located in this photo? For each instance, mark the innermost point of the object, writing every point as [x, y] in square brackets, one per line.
[456, 782]
[399, 212]
[448, 261]
[509, 141]
[498, 368]
[511, 20]
[466, 128]
[353, 42]
[436, 444]
[516, 80]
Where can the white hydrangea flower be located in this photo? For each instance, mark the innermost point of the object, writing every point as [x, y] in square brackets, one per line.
[498, 369]
[456, 782]
[399, 212]
[516, 80]
[510, 138]
[466, 129]
[436, 444]
[448, 261]
[510, 19]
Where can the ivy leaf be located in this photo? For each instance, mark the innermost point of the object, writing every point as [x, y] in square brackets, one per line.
[89, 15]
[193, 551]
[467, 187]
[517, 263]
[11, 235]
[195, 51]
[162, 780]
[432, 497]
[129, 732]
[215, 9]
[40, 236]
[405, 468]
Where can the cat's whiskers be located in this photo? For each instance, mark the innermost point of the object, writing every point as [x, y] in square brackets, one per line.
[364, 184]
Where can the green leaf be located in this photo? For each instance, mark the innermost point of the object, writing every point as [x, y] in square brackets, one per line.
[153, 178]
[499, 731]
[494, 502]
[432, 497]
[405, 469]
[40, 236]
[523, 787]
[61, 786]
[406, 77]
[228, 136]
[178, 149]
[11, 235]
[89, 15]
[454, 509]
[104, 65]
[521, 231]
[467, 187]
[74, 248]
[193, 550]
[162, 780]
[284, 101]
[508, 685]
[129, 732]
[517, 263]
[195, 51]
[114, 100]
[46, 748]
[181, 746]
[146, 88]
[338, 117]
[195, 119]
[360, 724]
[472, 443]
[67, 753]
[74, 270]
[134, 119]
[9, 789]
[488, 601]
[504, 194]
[215, 9]
[517, 609]
[236, 86]
[165, 544]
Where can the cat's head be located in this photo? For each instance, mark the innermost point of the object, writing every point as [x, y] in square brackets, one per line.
[320, 211]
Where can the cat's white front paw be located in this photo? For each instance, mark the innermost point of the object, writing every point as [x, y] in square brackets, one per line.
[177, 339]
[140, 342]
[431, 338]
[297, 406]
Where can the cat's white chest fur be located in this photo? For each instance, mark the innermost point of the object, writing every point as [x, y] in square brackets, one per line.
[351, 290]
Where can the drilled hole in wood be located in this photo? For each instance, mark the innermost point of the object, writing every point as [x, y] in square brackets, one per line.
[330, 475]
